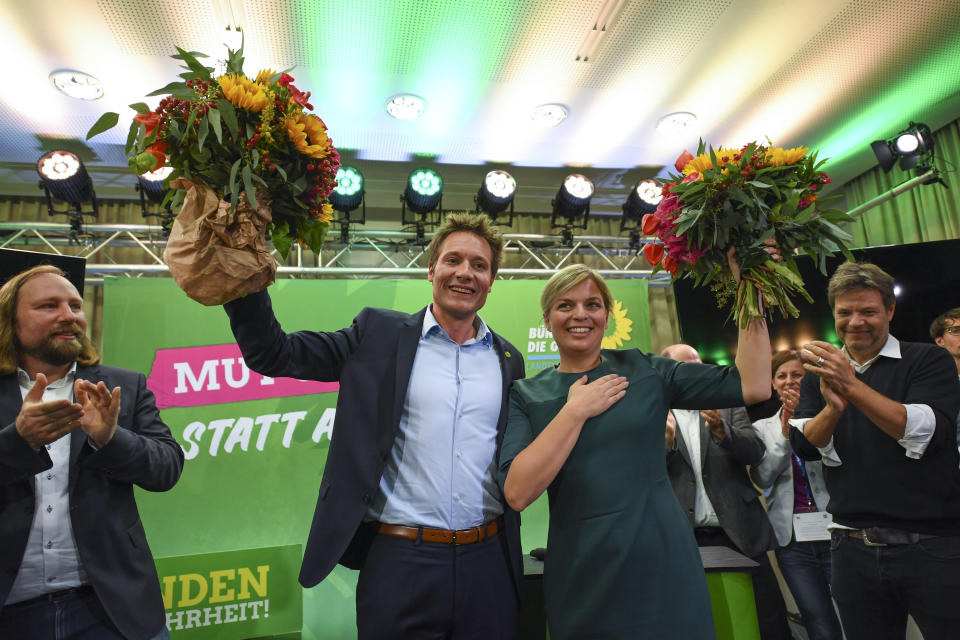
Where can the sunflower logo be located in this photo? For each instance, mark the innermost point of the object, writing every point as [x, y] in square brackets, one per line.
[621, 327]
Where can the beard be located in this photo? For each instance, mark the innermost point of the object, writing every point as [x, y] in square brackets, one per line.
[55, 351]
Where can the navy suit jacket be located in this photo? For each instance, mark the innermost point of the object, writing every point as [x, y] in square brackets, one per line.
[372, 359]
[103, 513]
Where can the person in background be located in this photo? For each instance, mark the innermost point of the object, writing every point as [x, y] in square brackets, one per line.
[882, 416]
[75, 437]
[621, 561]
[796, 506]
[409, 495]
[945, 331]
[708, 453]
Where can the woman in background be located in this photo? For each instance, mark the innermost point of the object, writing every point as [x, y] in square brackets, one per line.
[798, 495]
[622, 561]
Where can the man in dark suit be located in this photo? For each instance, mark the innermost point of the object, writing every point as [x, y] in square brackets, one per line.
[75, 437]
[408, 494]
[707, 457]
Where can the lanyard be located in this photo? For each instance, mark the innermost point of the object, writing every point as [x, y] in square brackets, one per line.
[807, 492]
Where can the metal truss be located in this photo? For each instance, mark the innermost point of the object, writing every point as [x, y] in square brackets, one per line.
[135, 250]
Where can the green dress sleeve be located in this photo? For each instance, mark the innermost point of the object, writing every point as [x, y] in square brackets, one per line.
[698, 386]
[518, 435]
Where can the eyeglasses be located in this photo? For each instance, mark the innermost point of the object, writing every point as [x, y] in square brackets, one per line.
[954, 330]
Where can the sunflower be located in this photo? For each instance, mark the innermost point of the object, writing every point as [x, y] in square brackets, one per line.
[622, 325]
[326, 213]
[308, 135]
[703, 162]
[781, 157]
[243, 93]
[264, 76]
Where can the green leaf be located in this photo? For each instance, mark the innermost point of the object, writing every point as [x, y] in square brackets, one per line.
[314, 235]
[255, 155]
[173, 87]
[131, 137]
[281, 239]
[248, 185]
[106, 122]
[193, 64]
[235, 58]
[202, 131]
[195, 54]
[140, 107]
[283, 174]
[229, 117]
[233, 182]
[214, 116]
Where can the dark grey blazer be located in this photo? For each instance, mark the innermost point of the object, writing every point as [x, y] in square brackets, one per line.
[725, 478]
[372, 359]
[106, 524]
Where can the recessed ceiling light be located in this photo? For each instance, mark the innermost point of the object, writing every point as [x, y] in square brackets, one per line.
[77, 84]
[549, 115]
[406, 106]
[676, 123]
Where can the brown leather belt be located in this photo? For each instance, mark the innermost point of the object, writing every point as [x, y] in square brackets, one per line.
[882, 536]
[443, 536]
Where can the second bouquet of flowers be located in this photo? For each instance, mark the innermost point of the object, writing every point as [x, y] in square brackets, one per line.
[745, 198]
[247, 161]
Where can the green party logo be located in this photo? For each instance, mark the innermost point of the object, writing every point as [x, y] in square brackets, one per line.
[619, 328]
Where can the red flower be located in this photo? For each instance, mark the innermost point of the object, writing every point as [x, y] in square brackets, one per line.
[653, 253]
[670, 264]
[649, 224]
[299, 97]
[682, 161]
[159, 151]
[285, 79]
[693, 177]
[148, 120]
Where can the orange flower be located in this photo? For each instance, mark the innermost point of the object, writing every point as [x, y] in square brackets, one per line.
[670, 264]
[653, 253]
[649, 224]
[159, 151]
[148, 120]
[682, 161]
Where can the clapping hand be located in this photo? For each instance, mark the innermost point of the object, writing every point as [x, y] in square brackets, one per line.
[713, 422]
[101, 408]
[39, 422]
[790, 398]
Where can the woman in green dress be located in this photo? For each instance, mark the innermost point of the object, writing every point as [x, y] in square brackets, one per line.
[622, 561]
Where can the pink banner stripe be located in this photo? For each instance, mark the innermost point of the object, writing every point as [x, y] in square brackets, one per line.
[216, 374]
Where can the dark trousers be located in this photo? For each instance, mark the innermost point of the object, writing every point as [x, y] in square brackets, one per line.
[72, 615]
[771, 609]
[876, 587]
[806, 569]
[411, 590]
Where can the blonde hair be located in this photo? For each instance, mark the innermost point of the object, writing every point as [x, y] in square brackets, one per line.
[566, 279]
[9, 298]
[474, 223]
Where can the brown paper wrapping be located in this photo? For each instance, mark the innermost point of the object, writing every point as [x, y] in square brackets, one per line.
[216, 256]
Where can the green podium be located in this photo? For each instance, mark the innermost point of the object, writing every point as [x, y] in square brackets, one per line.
[728, 578]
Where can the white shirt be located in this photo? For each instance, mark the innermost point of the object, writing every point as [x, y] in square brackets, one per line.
[50, 561]
[688, 422]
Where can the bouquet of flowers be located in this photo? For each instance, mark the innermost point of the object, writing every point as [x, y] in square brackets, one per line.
[247, 160]
[746, 198]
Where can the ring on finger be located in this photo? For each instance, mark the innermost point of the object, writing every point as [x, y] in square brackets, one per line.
[819, 362]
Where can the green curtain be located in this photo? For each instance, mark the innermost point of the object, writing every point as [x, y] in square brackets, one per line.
[923, 214]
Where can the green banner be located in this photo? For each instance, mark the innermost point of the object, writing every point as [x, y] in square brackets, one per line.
[255, 446]
[251, 593]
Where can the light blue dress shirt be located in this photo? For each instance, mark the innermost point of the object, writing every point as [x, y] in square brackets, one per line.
[440, 472]
[50, 561]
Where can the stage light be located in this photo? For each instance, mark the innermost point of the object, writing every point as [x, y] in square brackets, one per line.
[150, 184]
[63, 176]
[913, 147]
[346, 197]
[349, 192]
[496, 194]
[571, 207]
[643, 199]
[424, 191]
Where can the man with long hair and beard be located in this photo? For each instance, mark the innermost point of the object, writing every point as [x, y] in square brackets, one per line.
[75, 436]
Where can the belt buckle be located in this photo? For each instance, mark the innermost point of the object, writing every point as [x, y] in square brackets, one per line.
[870, 543]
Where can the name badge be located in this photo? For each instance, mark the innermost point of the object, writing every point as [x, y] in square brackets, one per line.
[808, 527]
